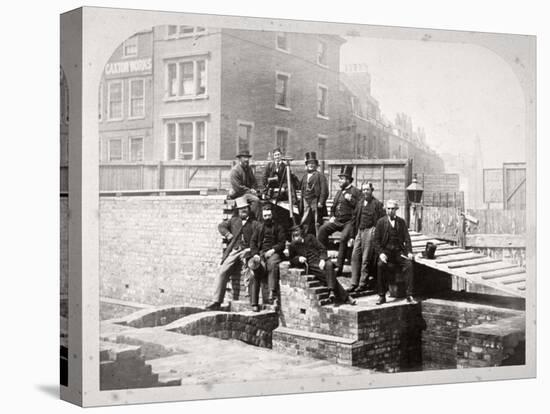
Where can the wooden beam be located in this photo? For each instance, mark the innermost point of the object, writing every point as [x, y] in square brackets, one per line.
[474, 262]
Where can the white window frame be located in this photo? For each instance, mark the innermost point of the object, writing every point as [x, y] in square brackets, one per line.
[132, 138]
[325, 115]
[276, 144]
[322, 42]
[285, 34]
[195, 151]
[109, 140]
[179, 35]
[109, 85]
[287, 95]
[251, 144]
[177, 61]
[142, 80]
[131, 41]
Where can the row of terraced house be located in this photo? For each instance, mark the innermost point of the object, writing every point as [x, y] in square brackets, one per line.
[195, 93]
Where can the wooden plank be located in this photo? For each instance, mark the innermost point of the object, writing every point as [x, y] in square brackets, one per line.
[460, 258]
[496, 240]
[423, 242]
[504, 266]
[514, 280]
[502, 273]
[456, 250]
[474, 262]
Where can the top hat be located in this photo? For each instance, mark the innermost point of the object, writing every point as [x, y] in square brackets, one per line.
[312, 156]
[346, 171]
[241, 202]
[429, 252]
[243, 153]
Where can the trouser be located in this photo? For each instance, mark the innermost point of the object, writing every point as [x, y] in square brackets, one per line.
[310, 213]
[361, 257]
[232, 262]
[396, 263]
[328, 278]
[270, 269]
[346, 229]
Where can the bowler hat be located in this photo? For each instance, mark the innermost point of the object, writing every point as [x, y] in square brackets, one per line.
[346, 171]
[243, 153]
[241, 202]
[312, 157]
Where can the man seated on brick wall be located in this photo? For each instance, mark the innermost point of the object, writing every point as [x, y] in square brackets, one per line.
[238, 232]
[243, 183]
[341, 214]
[367, 213]
[314, 189]
[393, 247]
[266, 248]
[306, 250]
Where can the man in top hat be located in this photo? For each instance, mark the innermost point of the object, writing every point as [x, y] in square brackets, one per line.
[243, 183]
[392, 244]
[314, 188]
[341, 215]
[238, 232]
[266, 250]
[306, 250]
[367, 213]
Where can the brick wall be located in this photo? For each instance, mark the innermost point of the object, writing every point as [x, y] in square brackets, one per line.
[160, 250]
[445, 321]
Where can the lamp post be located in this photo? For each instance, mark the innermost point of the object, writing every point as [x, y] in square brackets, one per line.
[414, 194]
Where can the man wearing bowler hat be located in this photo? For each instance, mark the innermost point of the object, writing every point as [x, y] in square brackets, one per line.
[367, 213]
[238, 232]
[266, 250]
[314, 188]
[243, 183]
[341, 214]
[392, 244]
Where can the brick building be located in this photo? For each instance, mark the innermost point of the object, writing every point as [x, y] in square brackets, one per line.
[126, 102]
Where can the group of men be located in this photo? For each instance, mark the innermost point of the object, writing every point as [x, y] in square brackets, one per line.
[257, 240]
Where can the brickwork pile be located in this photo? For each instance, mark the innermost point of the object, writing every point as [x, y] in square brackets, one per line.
[449, 323]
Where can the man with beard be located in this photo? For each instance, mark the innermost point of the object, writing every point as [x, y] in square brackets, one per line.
[238, 232]
[266, 248]
[243, 183]
[314, 188]
[392, 242]
[341, 215]
[367, 213]
[306, 250]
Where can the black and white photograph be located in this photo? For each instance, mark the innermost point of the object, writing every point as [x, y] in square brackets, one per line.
[262, 206]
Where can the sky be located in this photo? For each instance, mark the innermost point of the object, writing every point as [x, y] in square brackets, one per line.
[455, 91]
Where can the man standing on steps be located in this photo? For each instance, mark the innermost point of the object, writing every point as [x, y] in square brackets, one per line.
[314, 188]
[341, 215]
[266, 248]
[367, 213]
[243, 183]
[238, 232]
[306, 250]
[393, 247]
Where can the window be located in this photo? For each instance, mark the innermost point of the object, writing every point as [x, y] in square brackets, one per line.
[282, 42]
[186, 78]
[322, 146]
[175, 32]
[114, 108]
[63, 100]
[137, 98]
[136, 149]
[281, 91]
[100, 101]
[282, 140]
[356, 106]
[322, 102]
[130, 47]
[115, 150]
[322, 53]
[244, 136]
[186, 140]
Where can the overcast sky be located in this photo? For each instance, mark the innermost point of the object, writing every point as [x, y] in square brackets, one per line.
[455, 91]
